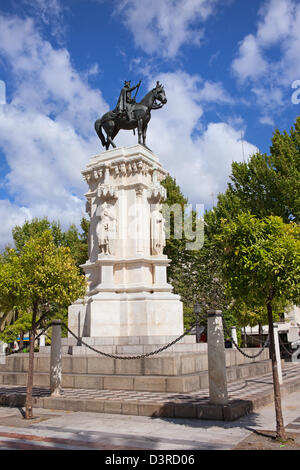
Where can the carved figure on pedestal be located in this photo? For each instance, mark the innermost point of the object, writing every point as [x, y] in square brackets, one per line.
[157, 233]
[106, 228]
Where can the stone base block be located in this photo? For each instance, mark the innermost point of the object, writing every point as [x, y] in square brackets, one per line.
[127, 315]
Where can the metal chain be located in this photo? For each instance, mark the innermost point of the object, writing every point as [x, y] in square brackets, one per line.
[239, 349]
[152, 353]
[141, 356]
[283, 345]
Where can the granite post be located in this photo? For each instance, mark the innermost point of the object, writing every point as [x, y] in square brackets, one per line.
[55, 359]
[218, 394]
[234, 337]
[277, 353]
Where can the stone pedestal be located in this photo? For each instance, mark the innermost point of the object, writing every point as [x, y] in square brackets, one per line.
[128, 294]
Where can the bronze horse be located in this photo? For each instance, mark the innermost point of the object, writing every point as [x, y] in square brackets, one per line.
[112, 121]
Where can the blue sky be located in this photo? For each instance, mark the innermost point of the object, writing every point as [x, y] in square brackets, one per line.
[227, 67]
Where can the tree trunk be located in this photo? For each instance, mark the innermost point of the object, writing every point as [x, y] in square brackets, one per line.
[21, 342]
[260, 331]
[28, 403]
[245, 338]
[280, 429]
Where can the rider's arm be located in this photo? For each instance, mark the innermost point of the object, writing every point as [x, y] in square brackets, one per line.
[133, 88]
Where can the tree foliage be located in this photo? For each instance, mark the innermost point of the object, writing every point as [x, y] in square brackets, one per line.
[265, 185]
[261, 259]
[261, 269]
[72, 238]
[37, 279]
[41, 274]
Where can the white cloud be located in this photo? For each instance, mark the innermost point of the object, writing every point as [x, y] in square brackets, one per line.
[276, 18]
[250, 62]
[10, 216]
[267, 120]
[277, 30]
[46, 131]
[47, 12]
[163, 26]
[214, 92]
[268, 60]
[47, 135]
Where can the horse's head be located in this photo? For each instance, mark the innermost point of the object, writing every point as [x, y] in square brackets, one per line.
[159, 94]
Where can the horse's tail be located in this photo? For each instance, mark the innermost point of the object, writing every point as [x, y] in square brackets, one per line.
[99, 132]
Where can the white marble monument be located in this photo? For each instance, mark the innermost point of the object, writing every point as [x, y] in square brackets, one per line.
[128, 294]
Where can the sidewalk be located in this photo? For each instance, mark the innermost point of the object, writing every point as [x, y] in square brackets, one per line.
[71, 430]
[52, 429]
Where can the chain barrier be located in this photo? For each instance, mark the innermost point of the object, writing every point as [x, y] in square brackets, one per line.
[152, 353]
[283, 346]
[141, 356]
[239, 349]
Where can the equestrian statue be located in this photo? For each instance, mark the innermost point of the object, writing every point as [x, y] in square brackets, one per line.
[130, 115]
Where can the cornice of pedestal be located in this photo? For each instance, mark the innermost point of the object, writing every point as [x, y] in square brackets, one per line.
[132, 289]
[109, 260]
[122, 163]
[124, 152]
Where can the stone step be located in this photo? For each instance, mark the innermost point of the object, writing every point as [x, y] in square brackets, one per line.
[189, 382]
[128, 345]
[174, 364]
[128, 349]
[128, 340]
[245, 396]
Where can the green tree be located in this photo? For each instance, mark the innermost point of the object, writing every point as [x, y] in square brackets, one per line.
[261, 268]
[181, 272]
[194, 273]
[22, 233]
[175, 244]
[266, 184]
[77, 242]
[37, 280]
[72, 238]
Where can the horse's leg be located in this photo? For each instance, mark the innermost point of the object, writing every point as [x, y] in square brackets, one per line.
[109, 127]
[140, 131]
[144, 134]
[113, 135]
[110, 141]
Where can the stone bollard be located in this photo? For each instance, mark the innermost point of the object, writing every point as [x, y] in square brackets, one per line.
[197, 311]
[55, 360]
[234, 337]
[2, 352]
[277, 353]
[42, 341]
[218, 394]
